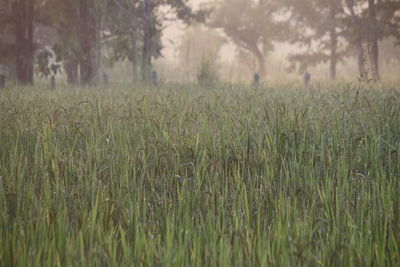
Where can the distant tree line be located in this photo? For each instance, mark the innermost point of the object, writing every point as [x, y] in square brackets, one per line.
[131, 29]
[328, 31]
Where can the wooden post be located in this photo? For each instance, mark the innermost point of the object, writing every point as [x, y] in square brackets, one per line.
[256, 80]
[307, 78]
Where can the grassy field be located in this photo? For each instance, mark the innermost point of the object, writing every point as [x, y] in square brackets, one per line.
[183, 176]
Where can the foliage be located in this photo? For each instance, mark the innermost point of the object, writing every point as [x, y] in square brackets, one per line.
[319, 30]
[127, 28]
[48, 64]
[198, 43]
[251, 25]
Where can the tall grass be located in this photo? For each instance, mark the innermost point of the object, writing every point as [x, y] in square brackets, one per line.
[186, 177]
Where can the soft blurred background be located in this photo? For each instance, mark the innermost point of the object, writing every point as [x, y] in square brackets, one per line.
[87, 41]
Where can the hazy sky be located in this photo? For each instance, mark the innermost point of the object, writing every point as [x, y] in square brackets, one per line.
[173, 31]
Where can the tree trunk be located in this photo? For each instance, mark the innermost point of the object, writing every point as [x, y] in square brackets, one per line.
[373, 48]
[24, 14]
[134, 60]
[358, 42]
[69, 32]
[373, 55]
[146, 56]
[96, 54]
[362, 64]
[333, 42]
[333, 56]
[87, 38]
[71, 69]
[262, 69]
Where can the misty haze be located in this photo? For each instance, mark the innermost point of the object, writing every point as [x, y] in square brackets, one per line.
[199, 132]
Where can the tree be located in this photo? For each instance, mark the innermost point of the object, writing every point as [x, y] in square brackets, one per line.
[22, 16]
[122, 32]
[133, 33]
[24, 36]
[79, 26]
[7, 38]
[20, 20]
[319, 27]
[370, 21]
[68, 47]
[333, 27]
[134, 30]
[251, 25]
[198, 44]
[149, 31]
[87, 40]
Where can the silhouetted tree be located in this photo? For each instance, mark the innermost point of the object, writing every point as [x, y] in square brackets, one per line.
[252, 26]
[23, 13]
[198, 43]
[318, 24]
[78, 23]
[134, 30]
[370, 21]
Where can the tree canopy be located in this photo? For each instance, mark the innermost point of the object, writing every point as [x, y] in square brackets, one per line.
[89, 34]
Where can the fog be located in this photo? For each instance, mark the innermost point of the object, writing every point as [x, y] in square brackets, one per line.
[179, 41]
[347, 68]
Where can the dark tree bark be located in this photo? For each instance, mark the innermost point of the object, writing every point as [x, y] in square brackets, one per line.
[71, 69]
[134, 60]
[23, 11]
[68, 46]
[373, 48]
[333, 42]
[358, 42]
[333, 55]
[146, 55]
[87, 40]
[262, 69]
[361, 60]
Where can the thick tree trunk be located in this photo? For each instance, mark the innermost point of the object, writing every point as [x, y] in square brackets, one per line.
[373, 48]
[24, 14]
[134, 60]
[358, 42]
[333, 57]
[362, 61]
[69, 32]
[96, 55]
[262, 69]
[71, 69]
[87, 38]
[373, 55]
[333, 42]
[146, 55]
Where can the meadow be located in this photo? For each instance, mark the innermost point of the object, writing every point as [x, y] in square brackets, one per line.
[185, 176]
